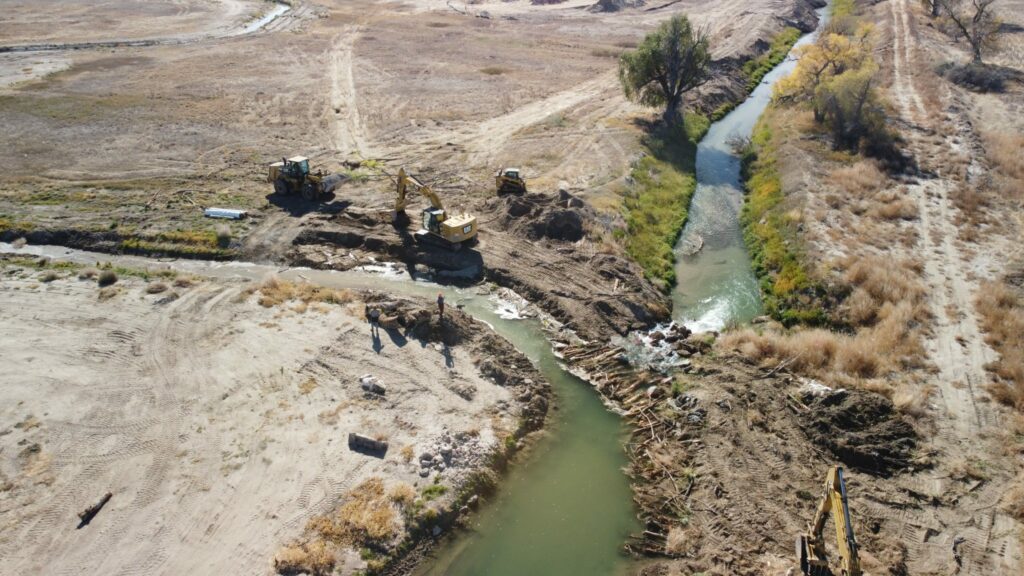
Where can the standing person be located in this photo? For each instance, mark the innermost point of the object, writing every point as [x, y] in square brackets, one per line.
[375, 321]
[440, 305]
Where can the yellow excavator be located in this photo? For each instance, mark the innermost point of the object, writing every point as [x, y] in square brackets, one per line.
[810, 547]
[438, 226]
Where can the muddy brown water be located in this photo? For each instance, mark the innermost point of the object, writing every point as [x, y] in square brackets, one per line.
[567, 509]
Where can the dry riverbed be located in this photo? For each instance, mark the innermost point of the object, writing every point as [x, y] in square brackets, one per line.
[217, 414]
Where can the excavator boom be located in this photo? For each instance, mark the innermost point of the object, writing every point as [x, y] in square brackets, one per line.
[438, 226]
[811, 546]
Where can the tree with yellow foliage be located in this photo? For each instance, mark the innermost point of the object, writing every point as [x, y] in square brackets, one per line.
[835, 77]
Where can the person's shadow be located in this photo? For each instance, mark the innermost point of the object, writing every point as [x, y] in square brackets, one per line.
[375, 334]
[449, 360]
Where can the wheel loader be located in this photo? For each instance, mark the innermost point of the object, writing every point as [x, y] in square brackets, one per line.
[438, 227]
[810, 547]
[292, 176]
[509, 181]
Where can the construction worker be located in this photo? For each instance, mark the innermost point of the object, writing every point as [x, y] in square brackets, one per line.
[440, 305]
[375, 320]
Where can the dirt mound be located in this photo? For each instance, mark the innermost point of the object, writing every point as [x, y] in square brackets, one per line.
[861, 429]
[412, 320]
[539, 216]
[615, 5]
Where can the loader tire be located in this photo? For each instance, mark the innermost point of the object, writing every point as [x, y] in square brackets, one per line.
[309, 192]
[280, 187]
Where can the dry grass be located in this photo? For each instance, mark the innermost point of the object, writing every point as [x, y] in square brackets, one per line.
[1013, 500]
[1003, 149]
[1002, 318]
[878, 281]
[868, 359]
[313, 558]
[108, 293]
[307, 386]
[48, 276]
[402, 493]
[275, 291]
[156, 288]
[912, 400]
[407, 453]
[676, 542]
[367, 517]
[88, 274]
[860, 180]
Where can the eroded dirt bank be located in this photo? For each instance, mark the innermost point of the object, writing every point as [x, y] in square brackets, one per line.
[217, 414]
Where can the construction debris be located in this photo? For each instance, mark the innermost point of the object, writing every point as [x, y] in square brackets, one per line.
[86, 516]
[369, 384]
[361, 443]
[226, 213]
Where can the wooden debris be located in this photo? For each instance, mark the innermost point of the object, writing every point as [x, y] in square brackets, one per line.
[86, 516]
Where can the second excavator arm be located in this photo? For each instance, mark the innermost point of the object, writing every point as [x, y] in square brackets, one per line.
[811, 548]
[403, 181]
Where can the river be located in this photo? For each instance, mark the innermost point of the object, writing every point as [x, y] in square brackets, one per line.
[567, 509]
[716, 285]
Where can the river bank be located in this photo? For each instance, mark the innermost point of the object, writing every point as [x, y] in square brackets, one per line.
[211, 360]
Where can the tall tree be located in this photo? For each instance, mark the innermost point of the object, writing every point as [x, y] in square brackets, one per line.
[975, 20]
[670, 62]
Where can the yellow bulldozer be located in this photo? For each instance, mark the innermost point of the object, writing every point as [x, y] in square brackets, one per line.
[509, 181]
[810, 547]
[292, 176]
[438, 227]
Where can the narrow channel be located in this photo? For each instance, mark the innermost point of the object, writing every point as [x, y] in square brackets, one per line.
[716, 283]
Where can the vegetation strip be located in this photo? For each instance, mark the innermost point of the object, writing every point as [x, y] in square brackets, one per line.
[771, 237]
[664, 180]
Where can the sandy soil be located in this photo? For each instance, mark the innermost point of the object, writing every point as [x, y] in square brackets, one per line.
[68, 21]
[218, 424]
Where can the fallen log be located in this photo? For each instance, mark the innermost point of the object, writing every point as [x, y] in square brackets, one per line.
[86, 516]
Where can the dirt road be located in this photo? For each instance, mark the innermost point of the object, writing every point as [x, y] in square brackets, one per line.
[968, 424]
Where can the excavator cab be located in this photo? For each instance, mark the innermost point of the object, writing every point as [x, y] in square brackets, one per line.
[292, 176]
[432, 218]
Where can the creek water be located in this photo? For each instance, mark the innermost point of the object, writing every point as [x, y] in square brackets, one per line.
[716, 285]
[267, 18]
[567, 509]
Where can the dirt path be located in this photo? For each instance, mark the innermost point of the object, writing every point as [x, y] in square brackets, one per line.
[966, 422]
[349, 135]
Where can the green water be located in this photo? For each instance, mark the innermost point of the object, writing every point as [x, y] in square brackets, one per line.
[568, 509]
